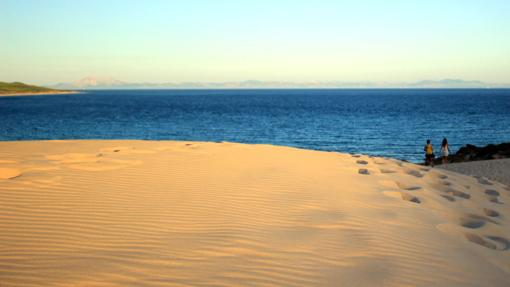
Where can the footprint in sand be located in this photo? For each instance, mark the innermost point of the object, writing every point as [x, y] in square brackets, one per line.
[492, 195]
[407, 187]
[196, 146]
[410, 197]
[383, 170]
[363, 171]
[415, 173]
[363, 162]
[425, 169]
[491, 242]
[116, 149]
[442, 176]
[447, 183]
[402, 195]
[490, 212]
[9, 173]
[484, 181]
[448, 197]
[494, 199]
[125, 150]
[457, 193]
[501, 243]
[356, 155]
[492, 192]
[474, 221]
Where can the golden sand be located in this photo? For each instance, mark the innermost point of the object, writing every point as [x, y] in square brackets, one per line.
[146, 213]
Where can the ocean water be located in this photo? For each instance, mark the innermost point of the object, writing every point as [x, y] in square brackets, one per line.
[383, 122]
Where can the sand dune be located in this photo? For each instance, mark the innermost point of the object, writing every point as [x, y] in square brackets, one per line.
[139, 213]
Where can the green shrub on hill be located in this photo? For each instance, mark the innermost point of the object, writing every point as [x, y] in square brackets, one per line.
[17, 87]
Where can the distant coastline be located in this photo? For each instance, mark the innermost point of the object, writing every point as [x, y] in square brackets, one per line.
[100, 83]
[39, 93]
[22, 89]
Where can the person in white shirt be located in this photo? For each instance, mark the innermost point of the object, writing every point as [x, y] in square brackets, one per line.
[445, 150]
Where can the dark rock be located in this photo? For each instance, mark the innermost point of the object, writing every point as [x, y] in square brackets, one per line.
[471, 152]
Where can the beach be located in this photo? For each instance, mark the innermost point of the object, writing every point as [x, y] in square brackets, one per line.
[497, 169]
[170, 213]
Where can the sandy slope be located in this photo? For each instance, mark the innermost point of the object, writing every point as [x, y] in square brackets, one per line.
[497, 169]
[135, 213]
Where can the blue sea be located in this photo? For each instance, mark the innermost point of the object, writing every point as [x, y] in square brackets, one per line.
[383, 122]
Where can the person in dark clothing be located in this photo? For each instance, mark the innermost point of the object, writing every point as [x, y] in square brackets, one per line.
[429, 154]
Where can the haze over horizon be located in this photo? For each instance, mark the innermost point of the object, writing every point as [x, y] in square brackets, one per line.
[94, 82]
[48, 42]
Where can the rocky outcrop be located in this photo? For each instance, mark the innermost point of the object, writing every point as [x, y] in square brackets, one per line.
[473, 153]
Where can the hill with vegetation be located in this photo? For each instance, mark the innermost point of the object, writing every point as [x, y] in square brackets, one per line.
[21, 88]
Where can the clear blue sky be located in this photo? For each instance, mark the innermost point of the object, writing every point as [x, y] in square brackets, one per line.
[48, 41]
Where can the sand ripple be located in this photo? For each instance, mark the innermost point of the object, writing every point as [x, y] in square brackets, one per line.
[138, 213]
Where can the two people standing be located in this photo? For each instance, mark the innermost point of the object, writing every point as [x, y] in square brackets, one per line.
[429, 152]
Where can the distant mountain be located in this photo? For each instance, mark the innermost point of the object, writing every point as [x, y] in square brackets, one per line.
[111, 83]
[450, 83]
[91, 82]
[98, 82]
